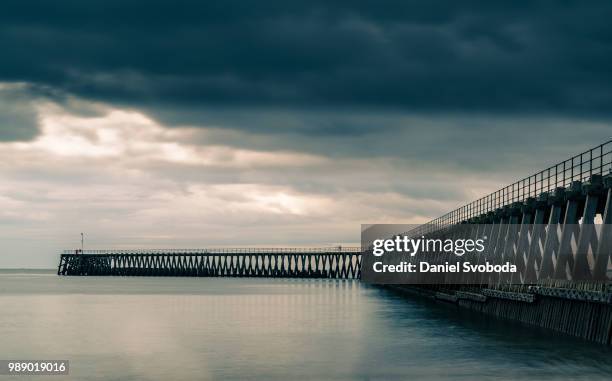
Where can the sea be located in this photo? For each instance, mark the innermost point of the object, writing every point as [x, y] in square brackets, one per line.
[166, 328]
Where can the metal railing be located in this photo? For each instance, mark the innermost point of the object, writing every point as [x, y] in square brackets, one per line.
[595, 161]
[275, 250]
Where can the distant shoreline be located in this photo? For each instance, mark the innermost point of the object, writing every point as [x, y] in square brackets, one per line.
[26, 270]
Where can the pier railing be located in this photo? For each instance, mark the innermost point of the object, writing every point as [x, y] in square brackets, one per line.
[221, 251]
[556, 225]
[581, 167]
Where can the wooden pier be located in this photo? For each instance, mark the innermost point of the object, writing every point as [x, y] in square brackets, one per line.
[327, 263]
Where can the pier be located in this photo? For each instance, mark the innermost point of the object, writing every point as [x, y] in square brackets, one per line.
[556, 226]
[328, 263]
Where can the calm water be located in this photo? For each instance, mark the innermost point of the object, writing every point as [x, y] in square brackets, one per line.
[246, 329]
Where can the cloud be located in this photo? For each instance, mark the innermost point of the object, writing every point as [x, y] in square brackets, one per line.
[527, 58]
[17, 117]
[131, 136]
[128, 181]
[195, 124]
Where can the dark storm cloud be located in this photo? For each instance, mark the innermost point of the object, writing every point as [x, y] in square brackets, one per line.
[177, 57]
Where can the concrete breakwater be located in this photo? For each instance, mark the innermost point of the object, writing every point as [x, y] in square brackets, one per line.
[586, 314]
[556, 227]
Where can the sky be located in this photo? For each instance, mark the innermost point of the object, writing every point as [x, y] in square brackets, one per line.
[191, 124]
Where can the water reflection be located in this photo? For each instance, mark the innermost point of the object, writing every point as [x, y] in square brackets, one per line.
[182, 329]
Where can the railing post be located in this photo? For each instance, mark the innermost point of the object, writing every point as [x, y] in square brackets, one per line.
[534, 256]
[551, 243]
[604, 248]
[570, 222]
[522, 247]
[593, 191]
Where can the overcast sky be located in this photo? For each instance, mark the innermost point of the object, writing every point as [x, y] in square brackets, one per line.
[271, 123]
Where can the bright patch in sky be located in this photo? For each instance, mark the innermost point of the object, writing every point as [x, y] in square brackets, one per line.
[127, 181]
